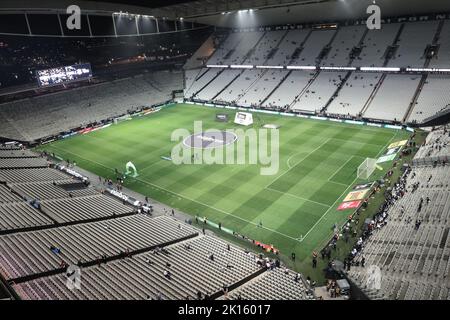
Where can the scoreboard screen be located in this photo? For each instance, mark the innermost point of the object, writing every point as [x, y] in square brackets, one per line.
[54, 76]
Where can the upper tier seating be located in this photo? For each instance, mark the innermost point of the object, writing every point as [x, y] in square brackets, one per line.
[412, 44]
[315, 43]
[442, 59]
[266, 45]
[375, 44]
[291, 42]
[346, 39]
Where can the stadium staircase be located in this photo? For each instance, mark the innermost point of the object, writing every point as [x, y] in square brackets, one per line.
[306, 88]
[373, 94]
[251, 85]
[209, 82]
[227, 85]
[416, 96]
[336, 93]
[299, 50]
[390, 51]
[276, 88]
[252, 50]
[274, 51]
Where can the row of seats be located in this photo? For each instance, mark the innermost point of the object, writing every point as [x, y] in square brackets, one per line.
[436, 144]
[21, 215]
[84, 208]
[51, 190]
[6, 195]
[144, 276]
[35, 252]
[31, 175]
[6, 163]
[434, 97]
[275, 284]
[17, 154]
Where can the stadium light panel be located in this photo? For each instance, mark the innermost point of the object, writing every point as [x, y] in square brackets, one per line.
[235, 66]
[380, 69]
[301, 67]
[269, 67]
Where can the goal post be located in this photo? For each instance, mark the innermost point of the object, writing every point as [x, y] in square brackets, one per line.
[366, 168]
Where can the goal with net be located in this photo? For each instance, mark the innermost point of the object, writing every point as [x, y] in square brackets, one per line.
[366, 168]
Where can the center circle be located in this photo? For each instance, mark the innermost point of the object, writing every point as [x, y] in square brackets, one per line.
[210, 139]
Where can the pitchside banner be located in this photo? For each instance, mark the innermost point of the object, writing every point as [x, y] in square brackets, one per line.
[397, 144]
[349, 205]
[356, 195]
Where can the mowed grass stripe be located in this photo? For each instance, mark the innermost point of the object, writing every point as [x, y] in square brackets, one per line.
[235, 195]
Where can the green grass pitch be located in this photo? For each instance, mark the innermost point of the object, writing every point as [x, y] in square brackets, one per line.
[297, 206]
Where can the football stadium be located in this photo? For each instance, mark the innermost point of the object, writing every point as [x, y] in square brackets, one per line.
[225, 150]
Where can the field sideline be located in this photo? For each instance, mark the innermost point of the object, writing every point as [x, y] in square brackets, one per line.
[297, 206]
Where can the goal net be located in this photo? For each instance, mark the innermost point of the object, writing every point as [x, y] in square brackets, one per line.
[366, 168]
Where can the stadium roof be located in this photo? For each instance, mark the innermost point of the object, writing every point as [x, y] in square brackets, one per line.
[230, 13]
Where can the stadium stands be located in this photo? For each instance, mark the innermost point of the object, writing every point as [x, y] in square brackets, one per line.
[412, 44]
[124, 254]
[290, 89]
[276, 284]
[291, 42]
[442, 58]
[317, 95]
[375, 45]
[316, 42]
[370, 95]
[393, 97]
[346, 39]
[354, 95]
[66, 110]
[257, 93]
[409, 239]
[434, 97]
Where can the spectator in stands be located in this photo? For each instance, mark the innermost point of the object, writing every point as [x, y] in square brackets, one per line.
[167, 274]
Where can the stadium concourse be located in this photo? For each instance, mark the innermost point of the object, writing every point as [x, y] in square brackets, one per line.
[346, 99]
